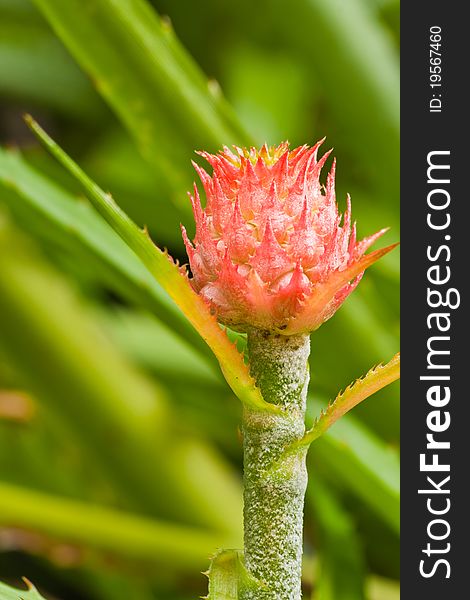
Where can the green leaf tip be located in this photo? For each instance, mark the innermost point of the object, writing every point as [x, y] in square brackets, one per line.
[169, 275]
[375, 379]
[9, 593]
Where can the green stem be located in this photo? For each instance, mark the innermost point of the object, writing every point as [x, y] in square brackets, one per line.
[274, 498]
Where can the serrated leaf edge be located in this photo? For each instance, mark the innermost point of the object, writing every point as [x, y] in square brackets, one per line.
[169, 275]
[375, 379]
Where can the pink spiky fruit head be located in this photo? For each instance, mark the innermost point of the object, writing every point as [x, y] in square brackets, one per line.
[271, 250]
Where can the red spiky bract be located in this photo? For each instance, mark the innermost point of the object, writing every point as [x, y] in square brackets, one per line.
[271, 250]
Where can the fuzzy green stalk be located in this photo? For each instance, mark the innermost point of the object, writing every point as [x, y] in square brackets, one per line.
[274, 497]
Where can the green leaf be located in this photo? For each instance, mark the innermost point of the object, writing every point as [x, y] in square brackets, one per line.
[173, 279]
[35, 67]
[76, 228]
[353, 457]
[228, 576]
[223, 576]
[122, 423]
[108, 530]
[356, 62]
[62, 355]
[360, 335]
[9, 593]
[341, 563]
[157, 349]
[152, 84]
[377, 378]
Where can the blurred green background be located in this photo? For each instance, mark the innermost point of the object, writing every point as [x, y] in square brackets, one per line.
[120, 457]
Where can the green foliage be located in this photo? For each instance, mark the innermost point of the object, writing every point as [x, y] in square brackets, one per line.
[375, 379]
[353, 458]
[151, 83]
[171, 278]
[9, 593]
[228, 576]
[120, 473]
[75, 228]
[111, 532]
[341, 561]
[123, 421]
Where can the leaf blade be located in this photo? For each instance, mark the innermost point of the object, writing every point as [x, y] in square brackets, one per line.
[122, 533]
[76, 227]
[152, 84]
[341, 562]
[351, 456]
[170, 277]
[9, 593]
[228, 576]
[377, 378]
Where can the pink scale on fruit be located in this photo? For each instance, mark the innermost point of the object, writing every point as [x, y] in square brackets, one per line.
[271, 250]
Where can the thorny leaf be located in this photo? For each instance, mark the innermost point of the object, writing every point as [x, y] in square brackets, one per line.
[9, 593]
[228, 576]
[377, 378]
[170, 276]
